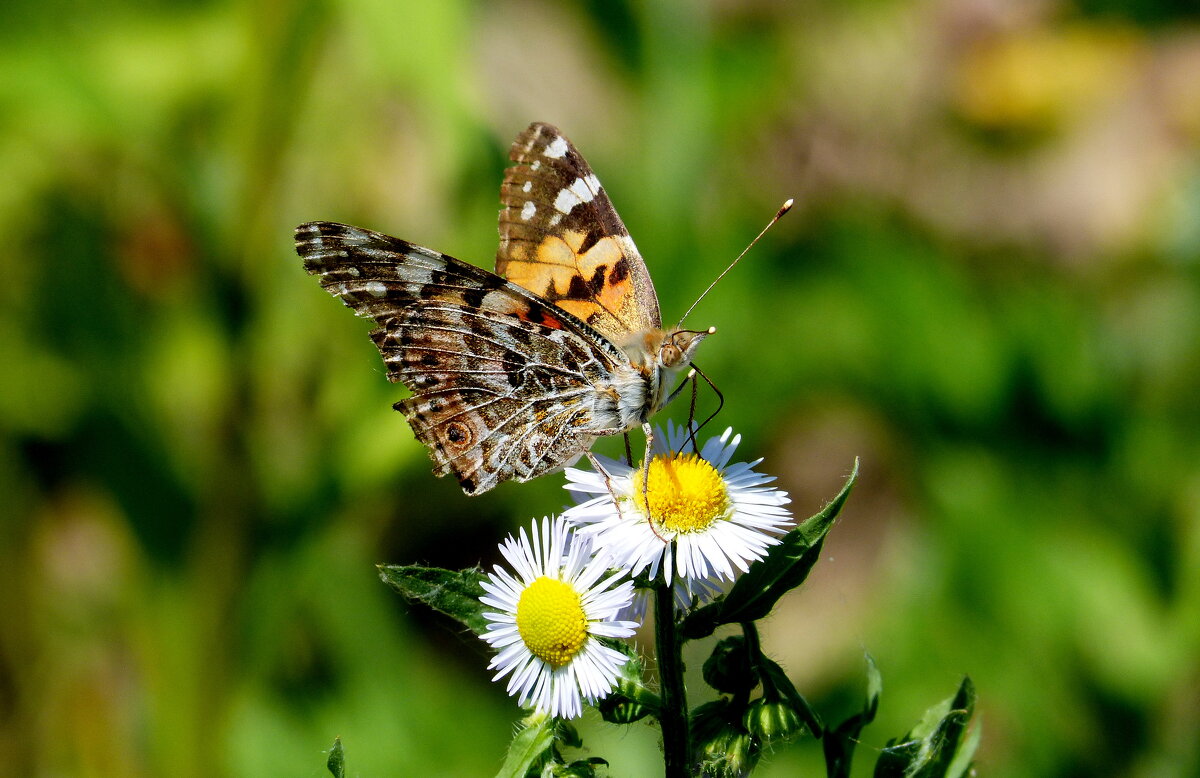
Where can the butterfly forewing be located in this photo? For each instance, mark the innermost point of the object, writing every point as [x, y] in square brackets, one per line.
[502, 382]
[561, 238]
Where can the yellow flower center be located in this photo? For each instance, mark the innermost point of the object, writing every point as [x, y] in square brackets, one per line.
[551, 621]
[685, 493]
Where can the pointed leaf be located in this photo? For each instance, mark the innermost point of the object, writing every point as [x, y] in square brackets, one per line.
[935, 747]
[336, 763]
[840, 741]
[785, 567]
[533, 745]
[455, 593]
[965, 756]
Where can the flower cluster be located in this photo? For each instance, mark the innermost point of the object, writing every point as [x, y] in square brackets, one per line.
[689, 518]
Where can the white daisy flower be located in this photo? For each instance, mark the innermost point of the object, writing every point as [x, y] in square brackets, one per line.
[548, 618]
[706, 517]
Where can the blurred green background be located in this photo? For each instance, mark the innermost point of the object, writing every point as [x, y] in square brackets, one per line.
[989, 290]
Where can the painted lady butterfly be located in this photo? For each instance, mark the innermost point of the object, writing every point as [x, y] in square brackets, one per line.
[514, 378]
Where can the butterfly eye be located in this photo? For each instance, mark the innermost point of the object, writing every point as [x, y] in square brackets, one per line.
[670, 354]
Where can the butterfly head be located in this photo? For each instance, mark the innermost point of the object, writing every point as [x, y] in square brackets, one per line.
[656, 350]
[678, 346]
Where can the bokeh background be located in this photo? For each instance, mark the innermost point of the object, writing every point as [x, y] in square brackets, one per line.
[989, 291]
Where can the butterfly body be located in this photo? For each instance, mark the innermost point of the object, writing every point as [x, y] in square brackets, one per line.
[514, 374]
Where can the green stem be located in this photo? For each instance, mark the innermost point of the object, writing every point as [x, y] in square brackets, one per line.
[753, 646]
[754, 656]
[673, 717]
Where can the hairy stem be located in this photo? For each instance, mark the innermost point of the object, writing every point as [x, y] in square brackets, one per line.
[674, 714]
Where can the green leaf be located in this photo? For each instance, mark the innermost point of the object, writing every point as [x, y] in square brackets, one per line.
[935, 748]
[532, 747]
[966, 752]
[840, 741]
[337, 759]
[784, 568]
[455, 593]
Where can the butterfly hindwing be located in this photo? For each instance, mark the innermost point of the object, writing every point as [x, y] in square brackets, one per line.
[561, 238]
[495, 398]
[501, 381]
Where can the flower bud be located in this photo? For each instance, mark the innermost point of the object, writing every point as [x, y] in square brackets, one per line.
[722, 746]
[772, 720]
[728, 670]
[732, 754]
[616, 708]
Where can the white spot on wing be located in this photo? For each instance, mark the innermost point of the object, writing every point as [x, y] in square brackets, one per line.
[537, 163]
[580, 191]
[376, 288]
[557, 148]
[527, 186]
[566, 200]
[353, 271]
[528, 210]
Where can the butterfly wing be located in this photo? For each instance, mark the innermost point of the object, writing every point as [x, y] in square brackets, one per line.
[502, 383]
[561, 238]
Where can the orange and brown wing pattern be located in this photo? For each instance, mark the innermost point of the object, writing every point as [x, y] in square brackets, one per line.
[504, 384]
[561, 238]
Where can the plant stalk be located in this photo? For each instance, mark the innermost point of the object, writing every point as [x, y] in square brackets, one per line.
[673, 717]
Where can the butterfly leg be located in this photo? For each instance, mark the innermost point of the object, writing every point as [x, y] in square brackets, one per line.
[720, 396]
[691, 376]
[599, 468]
[648, 431]
[692, 428]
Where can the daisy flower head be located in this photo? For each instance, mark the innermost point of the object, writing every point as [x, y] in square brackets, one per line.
[697, 516]
[550, 610]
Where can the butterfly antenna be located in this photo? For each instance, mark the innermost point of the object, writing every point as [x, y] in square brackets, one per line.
[778, 215]
[720, 399]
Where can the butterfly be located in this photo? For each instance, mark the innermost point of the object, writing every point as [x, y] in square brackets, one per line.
[514, 374]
